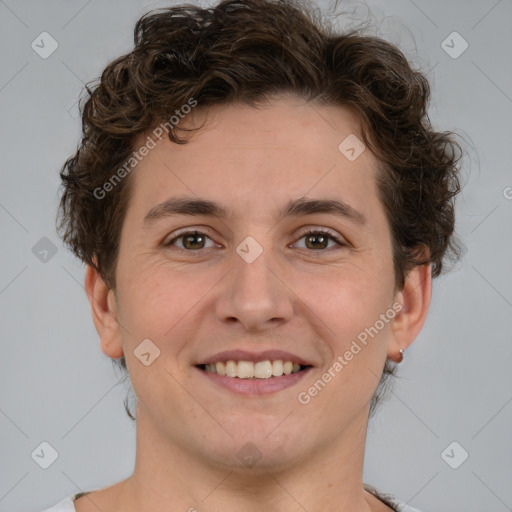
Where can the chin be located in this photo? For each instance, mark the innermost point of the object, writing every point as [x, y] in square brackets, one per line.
[259, 447]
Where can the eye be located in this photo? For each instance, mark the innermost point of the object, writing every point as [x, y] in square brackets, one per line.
[191, 241]
[318, 240]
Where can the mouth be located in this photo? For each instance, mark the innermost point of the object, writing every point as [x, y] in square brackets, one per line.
[253, 370]
[254, 374]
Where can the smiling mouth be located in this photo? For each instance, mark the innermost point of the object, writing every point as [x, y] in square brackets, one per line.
[253, 370]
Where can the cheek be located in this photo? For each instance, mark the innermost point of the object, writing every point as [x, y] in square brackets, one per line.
[357, 340]
[349, 300]
[160, 302]
[350, 310]
[147, 284]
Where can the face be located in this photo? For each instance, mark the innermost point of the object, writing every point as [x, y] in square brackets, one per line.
[258, 241]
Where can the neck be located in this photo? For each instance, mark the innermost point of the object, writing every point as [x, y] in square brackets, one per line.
[167, 477]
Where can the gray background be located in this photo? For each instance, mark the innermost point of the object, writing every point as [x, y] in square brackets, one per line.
[57, 386]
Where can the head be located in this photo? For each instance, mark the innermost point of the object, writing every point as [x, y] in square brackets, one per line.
[247, 107]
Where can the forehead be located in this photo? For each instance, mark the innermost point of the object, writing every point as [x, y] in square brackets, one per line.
[245, 156]
[310, 128]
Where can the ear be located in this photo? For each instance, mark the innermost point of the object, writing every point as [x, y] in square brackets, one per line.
[104, 313]
[415, 301]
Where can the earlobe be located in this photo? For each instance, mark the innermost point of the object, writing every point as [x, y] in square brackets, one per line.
[104, 313]
[415, 301]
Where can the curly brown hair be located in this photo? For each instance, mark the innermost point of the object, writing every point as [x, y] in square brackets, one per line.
[248, 51]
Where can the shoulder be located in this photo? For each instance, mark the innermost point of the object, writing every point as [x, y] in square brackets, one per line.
[66, 505]
[402, 507]
[390, 500]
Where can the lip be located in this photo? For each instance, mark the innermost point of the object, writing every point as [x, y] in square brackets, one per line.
[244, 355]
[255, 387]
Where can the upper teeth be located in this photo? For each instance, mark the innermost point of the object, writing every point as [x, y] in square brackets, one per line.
[249, 369]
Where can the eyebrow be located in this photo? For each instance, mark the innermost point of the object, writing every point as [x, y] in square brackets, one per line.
[302, 206]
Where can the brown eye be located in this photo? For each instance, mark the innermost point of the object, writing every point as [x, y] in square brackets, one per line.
[319, 241]
[191, 241]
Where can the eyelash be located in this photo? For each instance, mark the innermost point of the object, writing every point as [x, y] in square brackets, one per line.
[341, 242]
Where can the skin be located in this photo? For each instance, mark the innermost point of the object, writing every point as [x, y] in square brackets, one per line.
[308, 301]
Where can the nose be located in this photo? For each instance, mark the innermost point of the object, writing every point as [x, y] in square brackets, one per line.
[255, 295]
